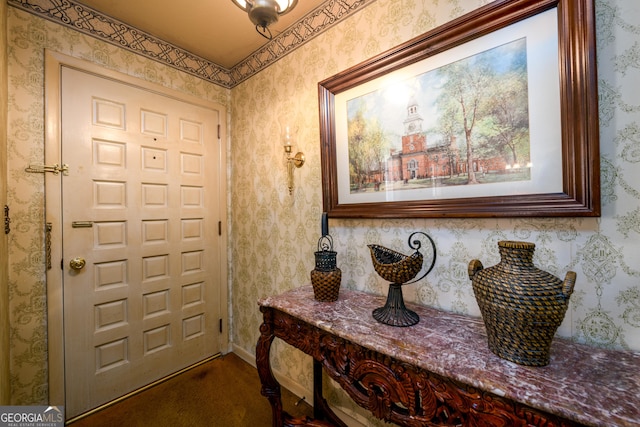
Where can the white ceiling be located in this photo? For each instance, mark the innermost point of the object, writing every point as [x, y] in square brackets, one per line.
[215, 30]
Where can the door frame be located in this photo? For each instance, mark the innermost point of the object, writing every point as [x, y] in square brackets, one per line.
[54, 62]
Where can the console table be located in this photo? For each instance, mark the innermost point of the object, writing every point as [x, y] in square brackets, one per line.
[440, 372]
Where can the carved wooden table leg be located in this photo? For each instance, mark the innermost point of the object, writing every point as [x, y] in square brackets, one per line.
[270, 386]
[321, 409]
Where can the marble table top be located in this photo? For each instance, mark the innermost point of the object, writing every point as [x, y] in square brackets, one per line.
[589, 385]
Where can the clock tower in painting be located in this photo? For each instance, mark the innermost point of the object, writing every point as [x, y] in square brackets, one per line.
[413, 139]
[417, 160]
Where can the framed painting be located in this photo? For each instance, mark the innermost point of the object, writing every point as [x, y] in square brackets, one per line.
[493, 114]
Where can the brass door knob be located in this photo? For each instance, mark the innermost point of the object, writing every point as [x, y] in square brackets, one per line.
[77, 263]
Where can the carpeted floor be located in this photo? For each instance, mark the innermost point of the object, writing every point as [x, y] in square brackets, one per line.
[224, 392]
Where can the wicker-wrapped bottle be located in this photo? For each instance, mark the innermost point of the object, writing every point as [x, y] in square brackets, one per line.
[326, 277]
[521, 305]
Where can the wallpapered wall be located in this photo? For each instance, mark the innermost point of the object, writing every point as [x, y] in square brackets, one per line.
[4, 287]
[274, 234]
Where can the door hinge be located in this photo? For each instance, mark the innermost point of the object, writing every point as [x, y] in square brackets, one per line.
[220, 325]
[218, 131]
[7, 220]
[219, 228]
[47, 243]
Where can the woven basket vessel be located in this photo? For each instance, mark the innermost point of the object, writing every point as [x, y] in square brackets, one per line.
[326, 277]
[326, 284]
[394, 266]
[521, 305]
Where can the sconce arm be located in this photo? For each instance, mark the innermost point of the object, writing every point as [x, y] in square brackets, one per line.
[297, 160]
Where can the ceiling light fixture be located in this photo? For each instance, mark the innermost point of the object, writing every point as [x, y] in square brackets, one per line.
[265, 12]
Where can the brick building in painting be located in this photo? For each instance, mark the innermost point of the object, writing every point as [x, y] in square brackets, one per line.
[421, 159]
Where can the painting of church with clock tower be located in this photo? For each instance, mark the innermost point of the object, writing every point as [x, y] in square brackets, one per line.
[419, 158]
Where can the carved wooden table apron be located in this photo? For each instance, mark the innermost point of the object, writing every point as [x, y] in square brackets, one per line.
[440, 371]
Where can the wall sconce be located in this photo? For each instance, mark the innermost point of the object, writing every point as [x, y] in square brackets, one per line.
[292, 161]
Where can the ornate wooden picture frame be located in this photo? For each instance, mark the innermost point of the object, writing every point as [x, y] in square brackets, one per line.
[497, 117]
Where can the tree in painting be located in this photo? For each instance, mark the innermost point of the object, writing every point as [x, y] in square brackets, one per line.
[368, 146]
[506, 125]
[484, 97]
[462, 100]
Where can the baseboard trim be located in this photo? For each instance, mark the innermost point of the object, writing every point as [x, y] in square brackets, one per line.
[297, 388]
[285, 382]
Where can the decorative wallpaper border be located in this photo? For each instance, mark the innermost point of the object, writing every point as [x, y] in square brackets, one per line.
[91, 22]
[310, 26]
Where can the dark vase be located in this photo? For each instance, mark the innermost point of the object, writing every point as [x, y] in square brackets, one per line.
[521, 305]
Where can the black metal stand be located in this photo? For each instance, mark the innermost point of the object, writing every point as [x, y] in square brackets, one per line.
[394, 312]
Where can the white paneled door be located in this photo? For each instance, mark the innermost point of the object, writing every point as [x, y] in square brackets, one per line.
[140, 237]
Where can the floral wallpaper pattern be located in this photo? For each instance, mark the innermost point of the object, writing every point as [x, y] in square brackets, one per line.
[274, 234]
